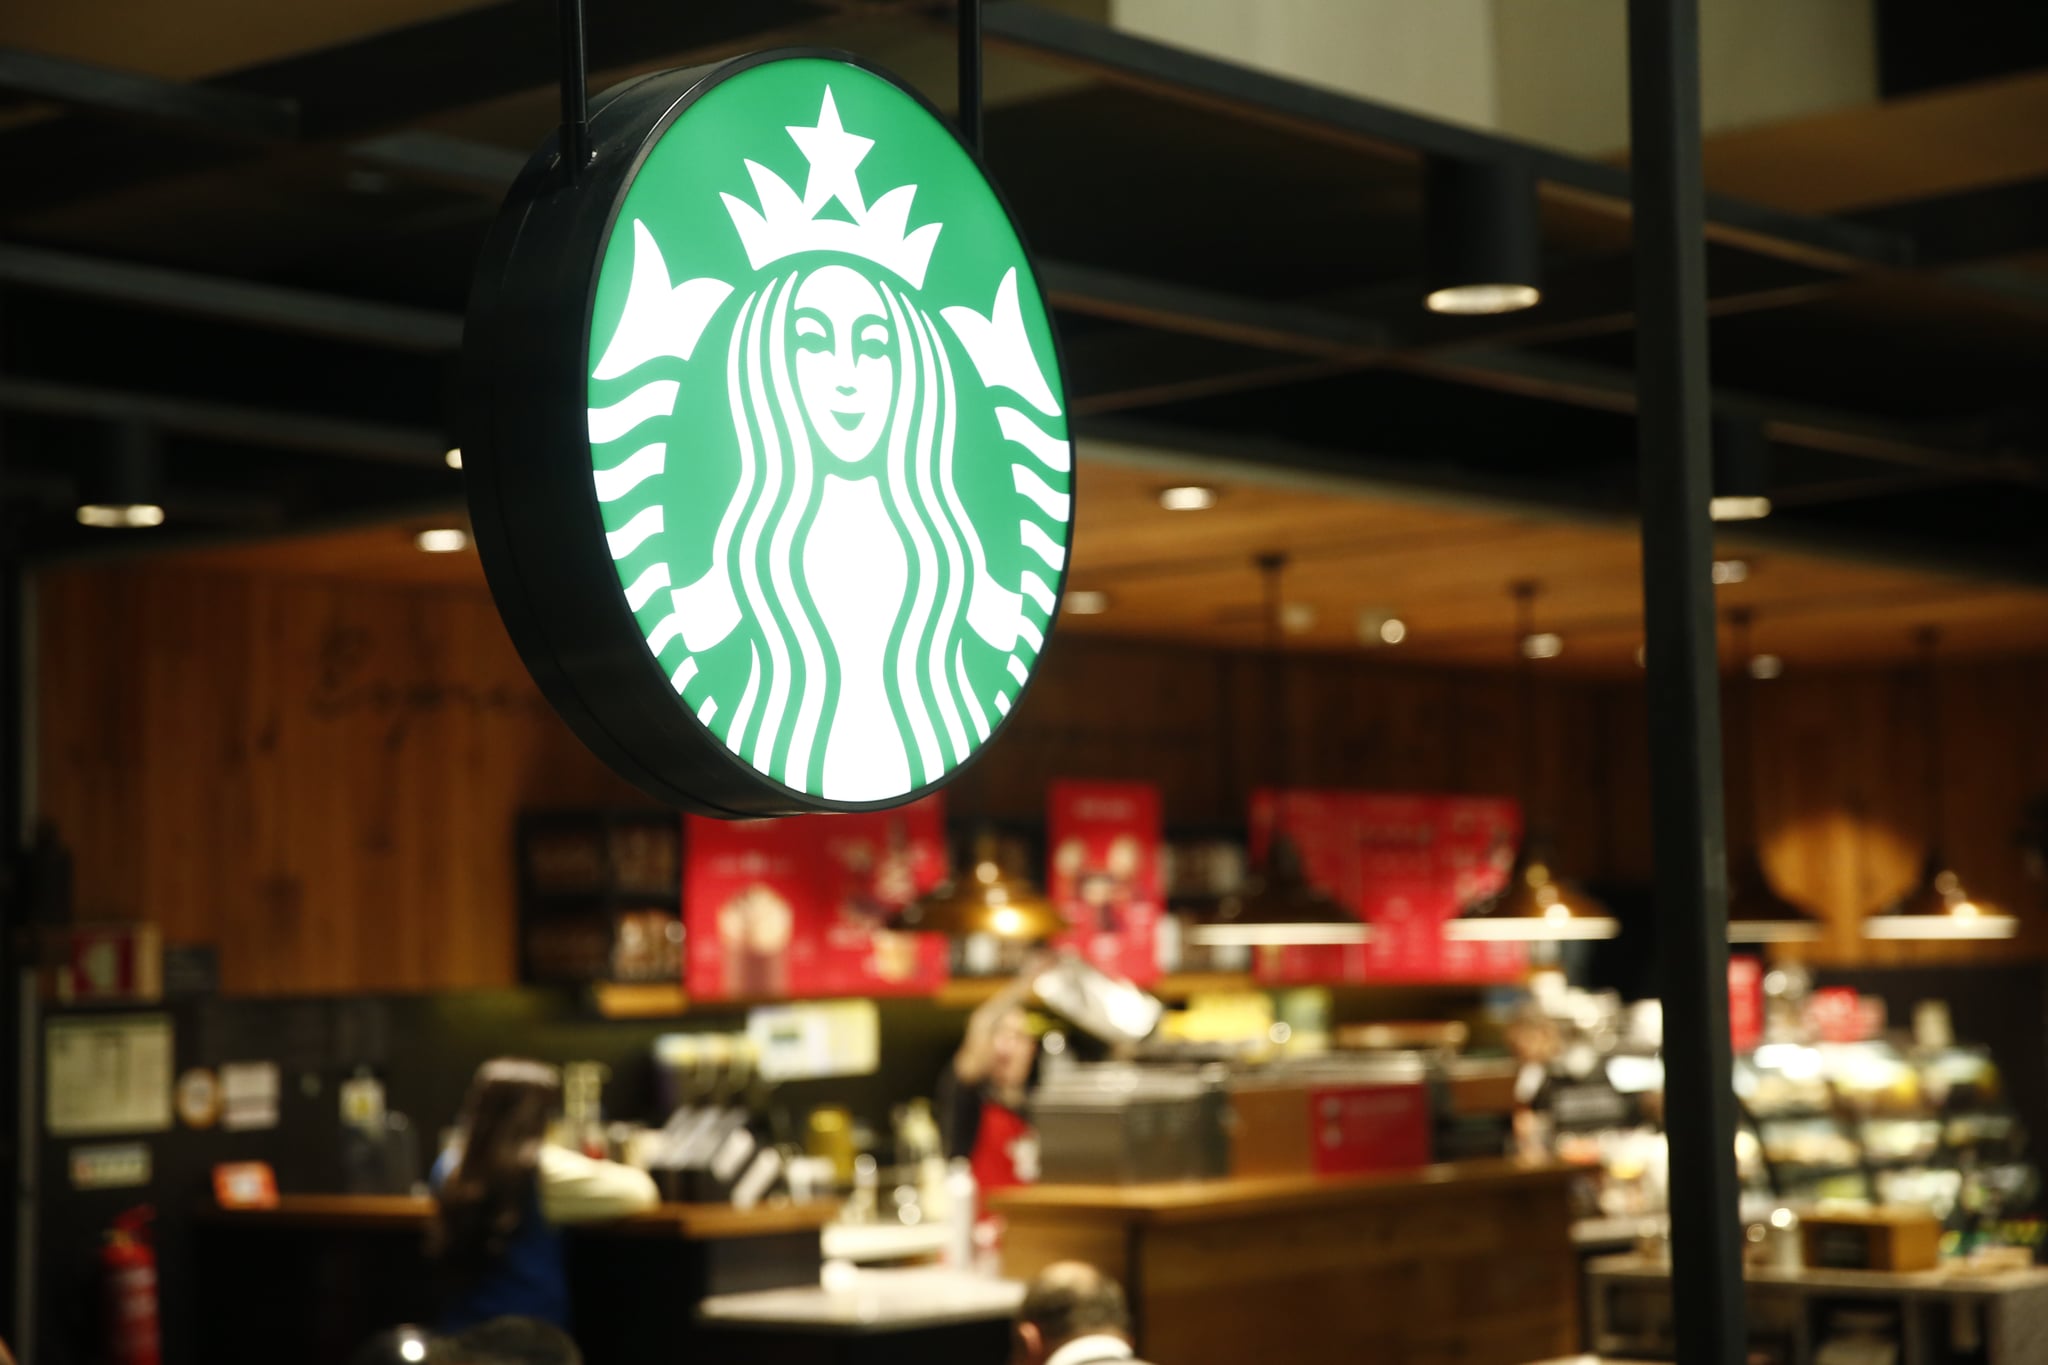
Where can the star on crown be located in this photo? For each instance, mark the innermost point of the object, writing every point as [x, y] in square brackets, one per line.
[785, 225]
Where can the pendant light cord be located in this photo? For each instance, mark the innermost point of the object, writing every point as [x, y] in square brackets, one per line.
[1739, 619]
[1937, 814]
[1525, 624]
[1271, 565]
[575, 136]
[969, 34]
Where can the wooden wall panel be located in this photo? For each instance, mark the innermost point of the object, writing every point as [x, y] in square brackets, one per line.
[321, 775]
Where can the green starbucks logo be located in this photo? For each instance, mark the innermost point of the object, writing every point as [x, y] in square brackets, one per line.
[827, 433]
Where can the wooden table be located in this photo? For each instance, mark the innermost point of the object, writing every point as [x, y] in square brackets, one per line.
[310, 1279]
[1468, 1263]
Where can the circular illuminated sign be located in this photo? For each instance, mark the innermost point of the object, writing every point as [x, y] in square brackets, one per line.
[766, 439]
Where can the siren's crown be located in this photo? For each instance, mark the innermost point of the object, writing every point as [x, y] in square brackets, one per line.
[785, 225]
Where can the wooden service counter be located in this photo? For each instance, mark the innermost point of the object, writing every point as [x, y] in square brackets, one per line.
[1469, 1263]
[310, 1279]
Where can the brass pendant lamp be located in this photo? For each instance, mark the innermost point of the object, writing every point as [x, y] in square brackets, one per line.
[1937, 906]
[987, 900]
[1278, 905]
[1757, 911]
[1535, 905]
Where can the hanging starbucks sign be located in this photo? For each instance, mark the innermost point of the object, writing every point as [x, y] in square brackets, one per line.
[766, 441]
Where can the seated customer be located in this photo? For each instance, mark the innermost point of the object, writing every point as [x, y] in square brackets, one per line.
[503, 1191]
[1073, 1314]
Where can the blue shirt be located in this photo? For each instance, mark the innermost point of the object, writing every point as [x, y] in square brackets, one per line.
[528, 1281]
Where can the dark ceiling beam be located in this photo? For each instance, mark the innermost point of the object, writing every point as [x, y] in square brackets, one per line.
[1597, 298]
[1219, 317]
[1421, 478]
[383, 82]
[226, 421]
[460, 163]
[1562, 379]
[230, 300]
[232, 115]
[1977, 224]
[1396, 135]
[69, 545]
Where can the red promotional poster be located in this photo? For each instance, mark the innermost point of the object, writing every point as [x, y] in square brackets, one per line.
[1474, 844]
[1105, 839]
[1405, 863]
[796, 907]
[1321, 824]
[1745, 1002]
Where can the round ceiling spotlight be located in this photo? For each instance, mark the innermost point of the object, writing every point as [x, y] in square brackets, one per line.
[1193, 497]
[1484, 249]
[442, 540]
[1742, 470]
[1728, 571]
[1085, 602]
[1542, 644]
[1764, 667]
[453, 457]
[124, 492]
[1381, 627]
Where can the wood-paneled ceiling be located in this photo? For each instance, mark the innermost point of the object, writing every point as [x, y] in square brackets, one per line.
[1444, 571]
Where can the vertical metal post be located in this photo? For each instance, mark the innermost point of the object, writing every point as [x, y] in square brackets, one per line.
[969, 117]
[1675, 451]
[575, 138]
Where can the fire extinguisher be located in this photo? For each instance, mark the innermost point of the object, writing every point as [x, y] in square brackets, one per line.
[130, 1266]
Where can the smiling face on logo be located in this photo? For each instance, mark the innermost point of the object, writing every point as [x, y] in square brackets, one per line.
[843, 367]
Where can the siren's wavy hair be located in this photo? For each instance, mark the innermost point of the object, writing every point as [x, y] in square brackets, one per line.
[791, 689]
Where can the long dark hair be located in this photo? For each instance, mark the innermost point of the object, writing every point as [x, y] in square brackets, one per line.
[491, 1189]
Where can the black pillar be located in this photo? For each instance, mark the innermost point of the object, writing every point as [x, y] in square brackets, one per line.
[1675, 450]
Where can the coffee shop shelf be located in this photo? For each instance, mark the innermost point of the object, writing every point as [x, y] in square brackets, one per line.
[967, 992]
[400, 1212]
[1464, 1261]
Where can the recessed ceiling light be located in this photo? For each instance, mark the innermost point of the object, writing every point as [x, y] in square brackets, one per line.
[1192, 497]
[1481, 300]
[442, 540]
[1731, 571]
[1542, 644]
[1381, 627]
[125, 516]
[1764, 667]
[1738, 508]
[1086, 602]
[454, 457]
[1297, 617]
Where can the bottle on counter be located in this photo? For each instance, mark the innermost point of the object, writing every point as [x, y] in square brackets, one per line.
[962, 1208]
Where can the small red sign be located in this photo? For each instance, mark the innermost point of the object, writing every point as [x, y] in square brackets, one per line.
[245, 1185]
[1369, 1128]
[1745, 1002]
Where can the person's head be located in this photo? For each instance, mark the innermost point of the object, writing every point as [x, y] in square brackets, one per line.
[1012, 1050]
[504, 1122]
[509, 1341]
[505, 1118]
[1069, 1299]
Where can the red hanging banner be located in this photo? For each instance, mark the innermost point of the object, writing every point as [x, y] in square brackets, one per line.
[793, 908]
[1104, 840]
[1405, 863]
